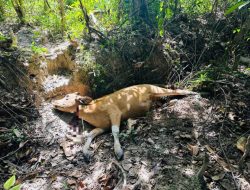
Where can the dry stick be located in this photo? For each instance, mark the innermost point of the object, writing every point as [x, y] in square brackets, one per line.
[87, 22]
[17, 108]
[13, 152]
[123, 174]
[11, 114]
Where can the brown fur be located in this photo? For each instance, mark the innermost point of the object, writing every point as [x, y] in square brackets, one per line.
[109, 110]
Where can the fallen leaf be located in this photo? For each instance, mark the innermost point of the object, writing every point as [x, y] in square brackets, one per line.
[22, 144]
[17, 133]
[241, 144]
[71, 182]
[53, 177]
[231, 116]
[67, 148]
[76, 174]
[218, 177]
[32, 160]
[194, 149]
[242, 123]
[138, 65]
[186, 136]
[81, 185]
[150, 141]
[195, 134]
[242, 104]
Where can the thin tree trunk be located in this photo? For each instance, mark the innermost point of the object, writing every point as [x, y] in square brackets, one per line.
[62, 14]
[46, 5]
[19, 8]
[140, 11]
[86, 18]
[2, 12]
[176, 2]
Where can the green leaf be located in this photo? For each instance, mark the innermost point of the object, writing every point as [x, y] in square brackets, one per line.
[17, 187]
[17, 133]
[237, 5]
[247, 2]
[10, 182]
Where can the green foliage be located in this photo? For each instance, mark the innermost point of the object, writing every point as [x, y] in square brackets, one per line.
[196, 6]
[2, 37]
[9, 184]
[105, 15]
[203, 77]
[37, 49]
[93, 74]
[237, 30]
[74, 20]
[238, 5]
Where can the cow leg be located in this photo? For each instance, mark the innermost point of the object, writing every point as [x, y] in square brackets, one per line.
[94, 133]
[115, 117]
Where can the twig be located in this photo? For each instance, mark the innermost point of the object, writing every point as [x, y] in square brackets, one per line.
[9, 110]
[11, 153]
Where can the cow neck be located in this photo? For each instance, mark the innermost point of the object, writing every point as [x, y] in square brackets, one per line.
[77, 111]
[78, 116]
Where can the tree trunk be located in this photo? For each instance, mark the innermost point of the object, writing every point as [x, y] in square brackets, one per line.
[86, 18]
[176, 2]
[62, 14]
[2, 12]
[46, 5]
[19, 8]
[139, 12]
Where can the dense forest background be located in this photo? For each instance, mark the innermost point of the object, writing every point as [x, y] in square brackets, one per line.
[140, 41]
[106, 45]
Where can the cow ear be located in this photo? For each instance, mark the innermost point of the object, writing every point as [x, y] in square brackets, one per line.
[85, 100]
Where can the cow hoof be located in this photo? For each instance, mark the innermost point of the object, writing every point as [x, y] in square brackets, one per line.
[119, 153]
[86, 155]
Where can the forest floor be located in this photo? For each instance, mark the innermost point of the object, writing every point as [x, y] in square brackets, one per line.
[166, 149]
